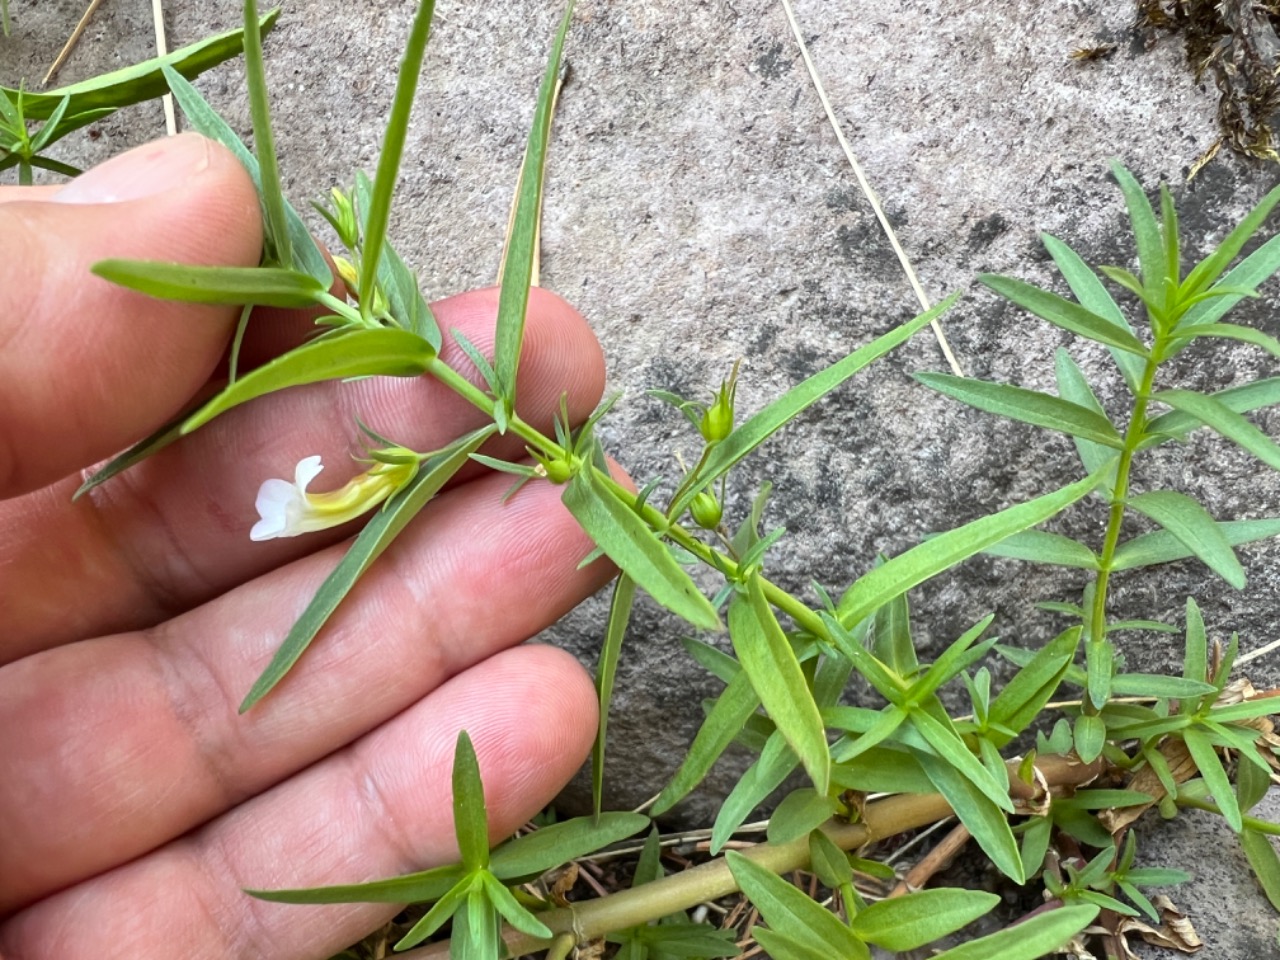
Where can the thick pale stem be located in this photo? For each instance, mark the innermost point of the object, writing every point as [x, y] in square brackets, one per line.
[709, 881]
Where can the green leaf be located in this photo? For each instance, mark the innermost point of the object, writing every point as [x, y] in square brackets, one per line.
[984, 819]
[635, 548]
[1034, 937]
[163, 436]
[1093, 296]
[435, 918]
[1090, 736]
[1191, 524]
[892, 643]
[141, 81]
[511, 910]
[422, 887]
[1210, 268]
[521, 249]
[624, 593]
[1247, 710]
[50, 127]
[204, 119]
[829, 862]
[1146, 233]
[1169, 234]
[1158, 685]
[769, 661]
[272, 192]
[1160, 546]
[790, 912]
[359, 353]
[1065, 314]
[1022, 699]
[384, 185]
[776, 762]
[882, 770]
[1073, 386]
[946, 550]
[1039, 546]
[885, 726]
[1241, 399]
[649, 866]
[1225, 421]
[1248, 274]
[1252, 784]
[905, 923]
[382, 528]
[732, 709]
[1215, 777]
[538, 852]
[954, 659]
[1028, 406]
[1264, 863]
[783, 947]
[768, 421]
[1195, 660]
[800, 812]
[946, 743]
[1228, 331]
[470, 817]
[264, 286]
[1035, 844]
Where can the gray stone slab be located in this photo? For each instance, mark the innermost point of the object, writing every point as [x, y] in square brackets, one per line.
[700, 211]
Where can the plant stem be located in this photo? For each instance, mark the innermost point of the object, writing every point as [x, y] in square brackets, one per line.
[709, 881]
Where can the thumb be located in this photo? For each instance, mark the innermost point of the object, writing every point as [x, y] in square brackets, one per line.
[86, 368]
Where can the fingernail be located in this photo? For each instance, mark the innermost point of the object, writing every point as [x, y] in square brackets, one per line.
[141, 172]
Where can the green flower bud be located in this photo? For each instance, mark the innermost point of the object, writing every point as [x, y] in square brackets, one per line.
[717, 419]
[706, 510]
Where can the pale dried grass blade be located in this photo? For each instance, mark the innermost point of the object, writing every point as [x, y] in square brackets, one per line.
[71, 41]
[162, 48]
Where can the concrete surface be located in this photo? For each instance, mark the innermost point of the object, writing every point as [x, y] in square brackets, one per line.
[699, 211]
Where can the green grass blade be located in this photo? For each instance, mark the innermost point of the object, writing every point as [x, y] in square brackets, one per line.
[1027, 406]
[517, 263]
[1146, 233]
[536, 853]
[383, 527]
[1195, 528]
[624, 593]
[263, 139]
[261, 286]
[1160, 546]
[141, 81]
[384, 183]
[1064, 313]
[1030, 939]
[360, 353]
[942, 552]
[781, 411]
[636, 549]
[907, 923]
[769, 661]
[735, 705]
[1038, 546]
[1210, 268]
[205, 120]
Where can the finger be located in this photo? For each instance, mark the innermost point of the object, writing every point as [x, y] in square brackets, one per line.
[91, 364]
[111, 747]
[10, 194]
[174, 531]
[379, 808]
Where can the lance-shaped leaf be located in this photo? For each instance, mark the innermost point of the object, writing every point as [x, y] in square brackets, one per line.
[1073, 386]
[770, 662]
[735, 705]
[521, 249]
[776, 762]
[1195, 658]
[892, 643]
[1264, 862]
[799, 812]
[548, 847]
[1225, 421]
[1028, 406]
[421, 887]
[1215, 775]
[144, 448]
[270, 189]
[1211, 267]
[203, 118]
[377, 535]
[141, 81]
[1229, 331]
[1248, 274]
[511, 910]
[791, 913]
[905, 923]
[936, 729]
[1146, 233]
[1035, 937]
[1093, 296]
[1160, 546]
[624, 593]
[1023, 697]
[1241, 399]
[261, 286]
[946, 550]
[358, 353]
[1064, 313]
[768, 421]
[635, 548]
[378, 213]
[470, 816]
[1038, 546]
[984, 819]
[1191, 524]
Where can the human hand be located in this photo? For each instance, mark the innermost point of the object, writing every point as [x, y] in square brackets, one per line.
[134, 802]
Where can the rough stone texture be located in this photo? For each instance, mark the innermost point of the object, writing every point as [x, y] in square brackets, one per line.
[699, 211]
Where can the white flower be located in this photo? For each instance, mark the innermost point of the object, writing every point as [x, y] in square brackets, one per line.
[287, 509]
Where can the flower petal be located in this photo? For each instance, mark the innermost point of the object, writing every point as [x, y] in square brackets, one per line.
[307, 470]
